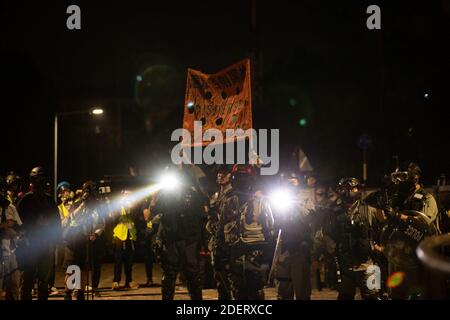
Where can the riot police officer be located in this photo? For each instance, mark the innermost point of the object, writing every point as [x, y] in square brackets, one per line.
[411, 213]
[180, 233]
[85, 237]
[349, 226]
[14, 183]
[248, 230]
[42, 231]
[411, 195]
[124, 240]
[293, 263]
[9, 224]
[220, 256]
[65, 207]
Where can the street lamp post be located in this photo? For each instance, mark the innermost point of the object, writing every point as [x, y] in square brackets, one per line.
[95, 112]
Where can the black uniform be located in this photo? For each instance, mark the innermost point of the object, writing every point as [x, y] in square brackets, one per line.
[146, 232]
[349, 227]
[180, 232]
[400, 239]
[42, 231]
[405, 228]
[293, 269]
[220, 252]
[250, 236]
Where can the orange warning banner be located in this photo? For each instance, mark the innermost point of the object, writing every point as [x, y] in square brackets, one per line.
[220, 101]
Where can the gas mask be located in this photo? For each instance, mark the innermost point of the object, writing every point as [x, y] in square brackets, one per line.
[349, 189]
[402, 186]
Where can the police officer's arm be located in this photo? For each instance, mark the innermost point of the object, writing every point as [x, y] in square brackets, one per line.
[65, 221]
[78, 210]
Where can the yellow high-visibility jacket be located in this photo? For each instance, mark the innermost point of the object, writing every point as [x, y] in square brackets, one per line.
[125, 225]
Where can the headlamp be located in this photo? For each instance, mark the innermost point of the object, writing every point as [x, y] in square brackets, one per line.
[169, 181]
[282, 199]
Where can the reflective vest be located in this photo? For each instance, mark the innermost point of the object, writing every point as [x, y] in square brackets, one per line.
[124, 226]
[9, 198]
[63, 211]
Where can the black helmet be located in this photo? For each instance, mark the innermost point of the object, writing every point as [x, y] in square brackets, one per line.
[243, 177]
[37, 172]
[348, 183]
[12, 179]
[243, 170]
[346, 188]
[89, 186]
[38, 179]
[414, 171]
[89, 190]
[63, 185]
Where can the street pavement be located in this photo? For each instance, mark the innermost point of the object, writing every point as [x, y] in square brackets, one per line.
[154, 293]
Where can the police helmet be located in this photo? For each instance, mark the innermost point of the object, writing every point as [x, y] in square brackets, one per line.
[36, 173]
[89, 186]
[12, 179]
[242, 177]
[64, 185]
[349, 188]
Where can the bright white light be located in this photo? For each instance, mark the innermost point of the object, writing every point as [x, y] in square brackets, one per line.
[169, 181]
[190, 104]
[282, 199]
[97, 111]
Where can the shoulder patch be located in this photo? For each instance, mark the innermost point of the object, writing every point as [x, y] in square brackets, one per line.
[418, 196]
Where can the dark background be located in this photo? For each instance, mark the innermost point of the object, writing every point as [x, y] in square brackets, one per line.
[312, 60]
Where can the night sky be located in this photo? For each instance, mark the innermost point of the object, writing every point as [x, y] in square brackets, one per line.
[315, 60]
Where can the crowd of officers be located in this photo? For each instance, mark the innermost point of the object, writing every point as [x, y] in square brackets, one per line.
[39, 234]
[325, 237]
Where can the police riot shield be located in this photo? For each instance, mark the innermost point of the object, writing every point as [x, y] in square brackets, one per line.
[401, 237]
